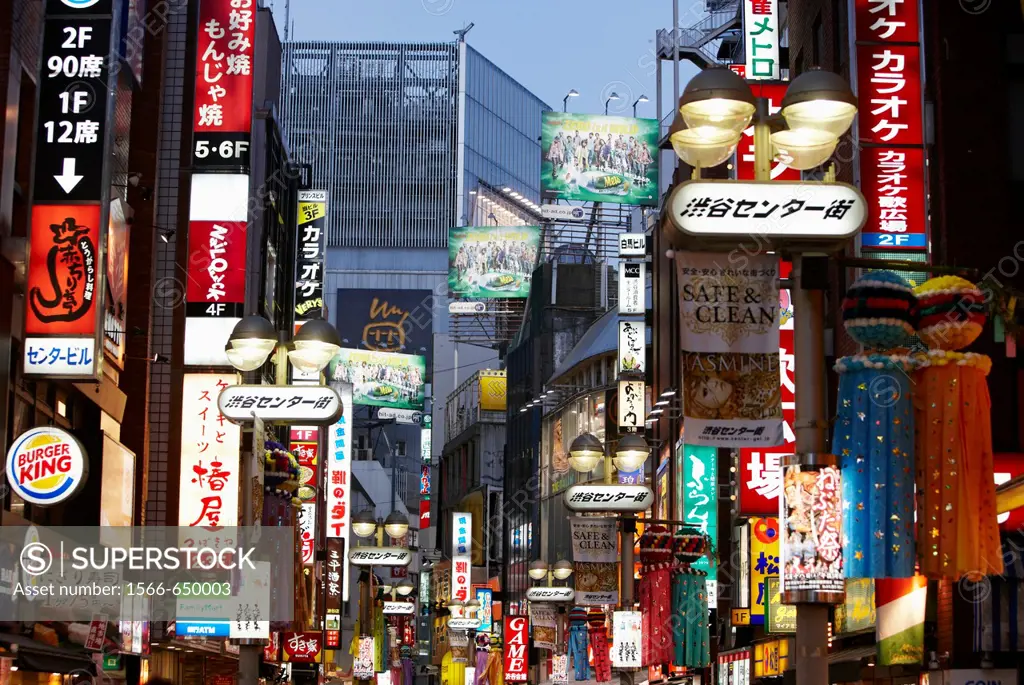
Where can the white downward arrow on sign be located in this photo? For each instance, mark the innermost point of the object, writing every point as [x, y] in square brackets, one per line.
[68, 180]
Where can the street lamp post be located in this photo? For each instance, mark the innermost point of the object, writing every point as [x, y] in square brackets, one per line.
[248, 348]
[565, 101]
[642, 98]
[817, 110]
[613, 96]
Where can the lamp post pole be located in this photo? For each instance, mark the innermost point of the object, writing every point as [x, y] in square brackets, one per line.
[809, 426]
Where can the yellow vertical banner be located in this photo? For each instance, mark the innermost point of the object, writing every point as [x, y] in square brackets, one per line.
[493, 386]
[764, 562]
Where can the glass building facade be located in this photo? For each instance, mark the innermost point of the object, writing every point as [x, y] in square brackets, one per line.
[406, 138]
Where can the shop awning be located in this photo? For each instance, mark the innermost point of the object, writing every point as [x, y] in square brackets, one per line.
[36, 656]
[852, 654]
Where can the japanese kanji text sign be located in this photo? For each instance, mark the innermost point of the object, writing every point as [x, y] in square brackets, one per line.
[632, 245]
[761, 39]
[812, 531]
[771, 210]
[632, 287]
[380, 556]
[332, 588]
[764, 562]
[516, 640]
[301, 647]
[339, 472]
[632, 404]
[700, 505]
[609, 498]
[550, 594]
[222, 120]
[210, 444]
[462, 533]
[632, 347]
[399, 608]
[307, 529]
[64, 277]
[462, 577]
[891, 125]
[314, 404]
[463, 623]
[310, 248]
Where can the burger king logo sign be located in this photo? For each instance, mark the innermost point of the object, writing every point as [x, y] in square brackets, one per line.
[46, 466]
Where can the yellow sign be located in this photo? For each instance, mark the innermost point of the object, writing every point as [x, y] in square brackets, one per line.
[311, 211]
[764, 562]
[779, 617]
[741, 617]
[858, 611]
[493, 387]
[771, 658]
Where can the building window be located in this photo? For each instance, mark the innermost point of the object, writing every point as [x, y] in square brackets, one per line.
[817, 41]
[400, 448]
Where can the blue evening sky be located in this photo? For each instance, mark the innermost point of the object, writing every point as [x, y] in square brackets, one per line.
[595, 46]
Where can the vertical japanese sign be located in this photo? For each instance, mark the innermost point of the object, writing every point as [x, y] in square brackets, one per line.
[65, 282]
[116, 292]
[627, 636]
[485, 596]
[339, 472]
[307, 529]
[209, 480]
[516, 636]
[631, 404]
[303, 442]
[761, 39]
[632, 348]
[310, 249]
[632, 287]
[462, 550]
[891, 125]
[332, 588]
[764, 562]
[222, 120]
[215, 290]
[760, 484]
[700, 505]
[811, 520]
[729, 335]
[779, 617]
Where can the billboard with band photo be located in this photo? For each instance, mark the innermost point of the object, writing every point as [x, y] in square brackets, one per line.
[492, 261]
[381, 379]
[597, 158]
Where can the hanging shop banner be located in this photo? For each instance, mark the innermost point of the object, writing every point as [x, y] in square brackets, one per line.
[209, 481]
[734, 668]
[632, 348]
[339, 474]
[332, 588]
[303, 442]
[544, 621]
[493, 390]
[764, 562]
[424, 514]
[778, 617]
[215, 288]
[425, 481]
[116, 293]
[729, 334]
[301, 648]
[632, 404]
[515, 643]
[771, 659]
[599, 158]
[362, 665]
[627, 636]
[595, 555]
[773, 93]
[700, 506]
[307, 531]
[492, 261]
[632, 287]
[426, 445]
[812, 550]
[399, 321]
[761, 39]
[891, 131]
[858, 611]
[761, 482]
[310, 251]
[559, 665]
[900, 614]
[485, 596]
[222, 119]
[47, 466]
[381, 379]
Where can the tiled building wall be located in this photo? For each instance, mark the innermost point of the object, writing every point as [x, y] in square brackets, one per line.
[168, 290]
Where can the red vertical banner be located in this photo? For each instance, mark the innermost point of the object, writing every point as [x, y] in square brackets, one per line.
[891, 125]
[516, 637]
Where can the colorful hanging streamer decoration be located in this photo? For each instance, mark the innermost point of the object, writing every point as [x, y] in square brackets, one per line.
[879, 311]
[874, 440]
[956, 510]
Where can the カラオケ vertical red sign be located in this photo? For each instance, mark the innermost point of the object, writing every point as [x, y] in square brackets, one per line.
[516, 637]
[891, 125]
[222, 119]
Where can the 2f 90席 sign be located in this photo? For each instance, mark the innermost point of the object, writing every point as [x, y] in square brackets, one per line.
[46, 466]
